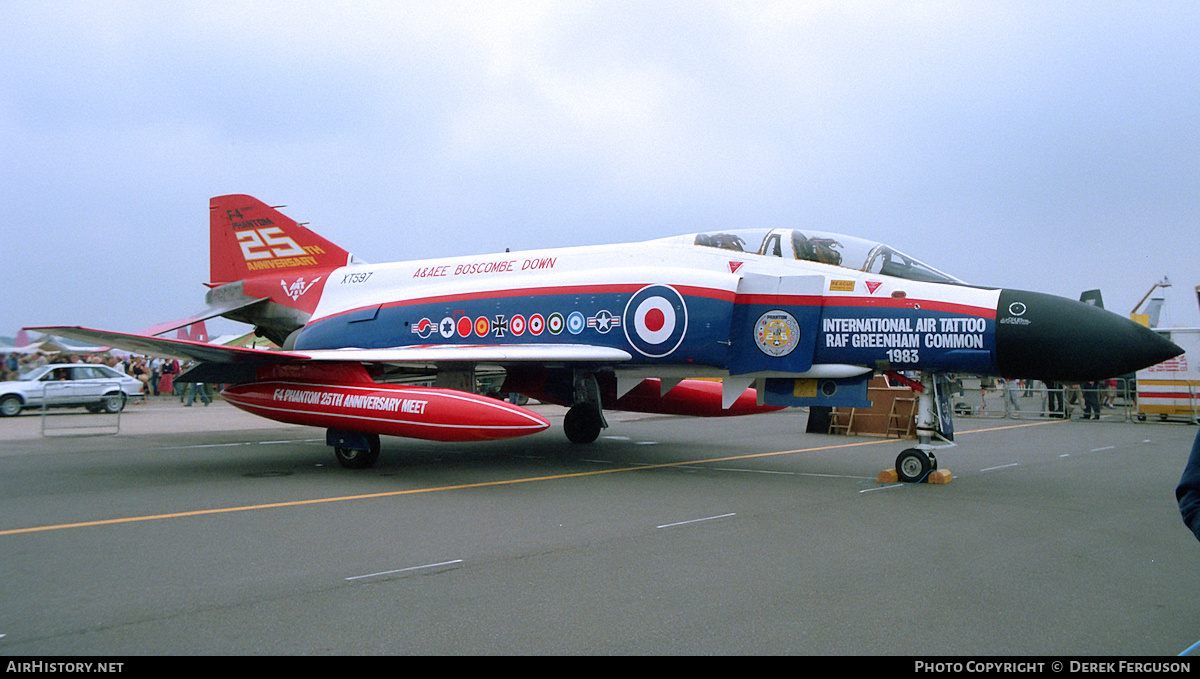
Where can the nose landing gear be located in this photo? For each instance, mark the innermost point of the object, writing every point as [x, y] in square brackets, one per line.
[914, 465]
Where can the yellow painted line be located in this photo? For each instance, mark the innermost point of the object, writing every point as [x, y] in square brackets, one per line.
[464, 486]
[1011, 426]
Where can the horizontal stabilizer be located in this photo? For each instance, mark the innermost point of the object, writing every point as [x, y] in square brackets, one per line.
[204, 314]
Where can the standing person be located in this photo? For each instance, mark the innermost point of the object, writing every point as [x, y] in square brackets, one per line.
[1010, 397]
[155, 373]
[1054, 400]
[192, 389]
[166, 383]
[1110, 394]
[139, 372]
[1091, 400]
[984, 383]
[1073, 397]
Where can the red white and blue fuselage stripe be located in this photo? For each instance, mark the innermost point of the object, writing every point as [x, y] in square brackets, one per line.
[660, 301]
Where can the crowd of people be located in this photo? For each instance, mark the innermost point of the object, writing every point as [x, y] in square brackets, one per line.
[158, 374]
[1058, 400]
[1062, 399]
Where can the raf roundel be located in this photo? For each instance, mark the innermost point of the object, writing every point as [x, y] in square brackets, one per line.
[655, 320]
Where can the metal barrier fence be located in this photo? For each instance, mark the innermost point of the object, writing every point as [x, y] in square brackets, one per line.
[1114, 400]
[60, 403]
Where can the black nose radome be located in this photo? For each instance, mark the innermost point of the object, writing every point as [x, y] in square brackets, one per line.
[1043, 337]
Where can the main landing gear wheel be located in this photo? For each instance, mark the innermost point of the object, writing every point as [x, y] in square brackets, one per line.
[583, 423]
[352, 458]
[914, 464]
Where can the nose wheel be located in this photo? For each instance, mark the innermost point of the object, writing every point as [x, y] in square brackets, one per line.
[914, 464]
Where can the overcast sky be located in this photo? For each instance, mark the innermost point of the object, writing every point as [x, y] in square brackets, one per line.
[1051, 146]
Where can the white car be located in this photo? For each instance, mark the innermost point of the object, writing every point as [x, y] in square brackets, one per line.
[95, 387]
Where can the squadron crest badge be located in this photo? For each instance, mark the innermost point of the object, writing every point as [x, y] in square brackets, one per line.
[777, 333]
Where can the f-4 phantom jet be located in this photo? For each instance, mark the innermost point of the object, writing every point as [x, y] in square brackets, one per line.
[783, 317]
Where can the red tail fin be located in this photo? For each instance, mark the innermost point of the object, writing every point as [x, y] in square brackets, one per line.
[249, 238]
[196, 332]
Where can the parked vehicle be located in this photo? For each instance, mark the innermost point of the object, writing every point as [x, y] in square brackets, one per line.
[1171, 389]
[98, 388]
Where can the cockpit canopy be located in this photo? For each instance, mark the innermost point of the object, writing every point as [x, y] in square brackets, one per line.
[826, 248]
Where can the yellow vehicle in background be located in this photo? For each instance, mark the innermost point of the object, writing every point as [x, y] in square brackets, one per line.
[1171, 389]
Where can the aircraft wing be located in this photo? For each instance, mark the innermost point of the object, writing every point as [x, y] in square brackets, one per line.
[184, 350]
[413, 356]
